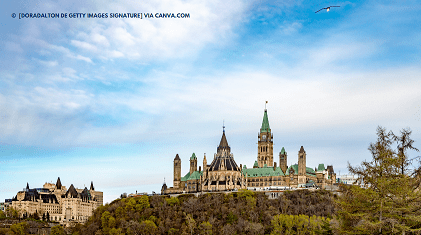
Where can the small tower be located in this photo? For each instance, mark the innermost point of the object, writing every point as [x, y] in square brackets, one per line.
[283, 160]
[177, 171]
[193, 163]
[205, 163]
[265, 143]
[92, 186]
[301, 166]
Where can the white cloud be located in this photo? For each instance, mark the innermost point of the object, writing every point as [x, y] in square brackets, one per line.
[159, 39]
[83, 45]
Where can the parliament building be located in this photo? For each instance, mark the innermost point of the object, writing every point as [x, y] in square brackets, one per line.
[223, 174]
[55, 202]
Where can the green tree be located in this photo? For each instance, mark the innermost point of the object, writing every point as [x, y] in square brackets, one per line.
[205, 228]
[57, 230]
[390, 203]
[143, 203]
[11, 212]
[107, 221]
[2, 215]
[173, 201]
[20, 228]
[148, 227]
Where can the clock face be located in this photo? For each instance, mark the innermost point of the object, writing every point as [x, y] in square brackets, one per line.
[264, 137]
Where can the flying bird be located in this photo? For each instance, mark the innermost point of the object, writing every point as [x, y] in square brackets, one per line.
[327, 8]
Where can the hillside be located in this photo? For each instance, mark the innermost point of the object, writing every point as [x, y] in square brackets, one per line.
[243, 212]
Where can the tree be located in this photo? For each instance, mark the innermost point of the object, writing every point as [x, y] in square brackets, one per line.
[390, 201]
[57, 230]
[20, 228]
[2, 215]
[206, 228]
[191, 223]
[148, 227]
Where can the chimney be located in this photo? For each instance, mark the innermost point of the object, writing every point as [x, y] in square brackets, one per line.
[274, 166]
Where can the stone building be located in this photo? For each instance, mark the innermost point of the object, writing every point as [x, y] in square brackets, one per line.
[58, 203]
[223, 174]
[266, 174]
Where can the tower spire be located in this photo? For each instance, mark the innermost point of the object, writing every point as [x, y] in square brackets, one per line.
[265, 123]
[223, 126]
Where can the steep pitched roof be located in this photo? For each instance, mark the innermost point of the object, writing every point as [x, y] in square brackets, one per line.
[177, 157]
[228, 162]
[265, 123]
[71, 191]
[224, 143]
[302, 149]
[58, 184]
[293, 168]
[256, 164]
[321, 167]
[193, 156]
[283, 150]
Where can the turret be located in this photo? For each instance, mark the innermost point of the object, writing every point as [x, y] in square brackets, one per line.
[193, 163]
[283, 160]
[301, 166]
[177, 171]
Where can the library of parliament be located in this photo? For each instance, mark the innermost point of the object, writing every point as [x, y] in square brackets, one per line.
[223, 174]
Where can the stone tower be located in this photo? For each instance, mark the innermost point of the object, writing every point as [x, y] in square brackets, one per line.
[177, 171]
[265, 144]
[301, 166]
[283, 160]
[205, 163]
[193, 163]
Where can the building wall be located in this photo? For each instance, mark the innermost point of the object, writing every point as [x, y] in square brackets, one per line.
[65, 209]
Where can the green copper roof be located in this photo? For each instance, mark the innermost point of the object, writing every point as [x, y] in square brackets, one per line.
[194, 176]
[282, 150]
[184, 178]
[294, 167]
[265, 123]
[264, 171]
[309, 170]
[193, 156]
[256, 164]
[244, 167]
[321, 167]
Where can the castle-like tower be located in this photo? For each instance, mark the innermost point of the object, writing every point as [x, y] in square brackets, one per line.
[193, 163]
[177, 171]
[265, 144]
[301, 166]
[283, 160]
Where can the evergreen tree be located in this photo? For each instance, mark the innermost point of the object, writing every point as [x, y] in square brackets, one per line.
[390, 201]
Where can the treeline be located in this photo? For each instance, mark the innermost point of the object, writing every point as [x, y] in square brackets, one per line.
[243, 212]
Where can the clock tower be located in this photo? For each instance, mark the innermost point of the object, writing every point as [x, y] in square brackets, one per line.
[265, 144]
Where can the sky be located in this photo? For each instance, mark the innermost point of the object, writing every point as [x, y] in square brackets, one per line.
[114, 100]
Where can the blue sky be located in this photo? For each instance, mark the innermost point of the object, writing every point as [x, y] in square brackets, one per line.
[114, 100]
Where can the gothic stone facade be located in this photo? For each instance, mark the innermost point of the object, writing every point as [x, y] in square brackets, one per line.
[223, 173]
[60, 204]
